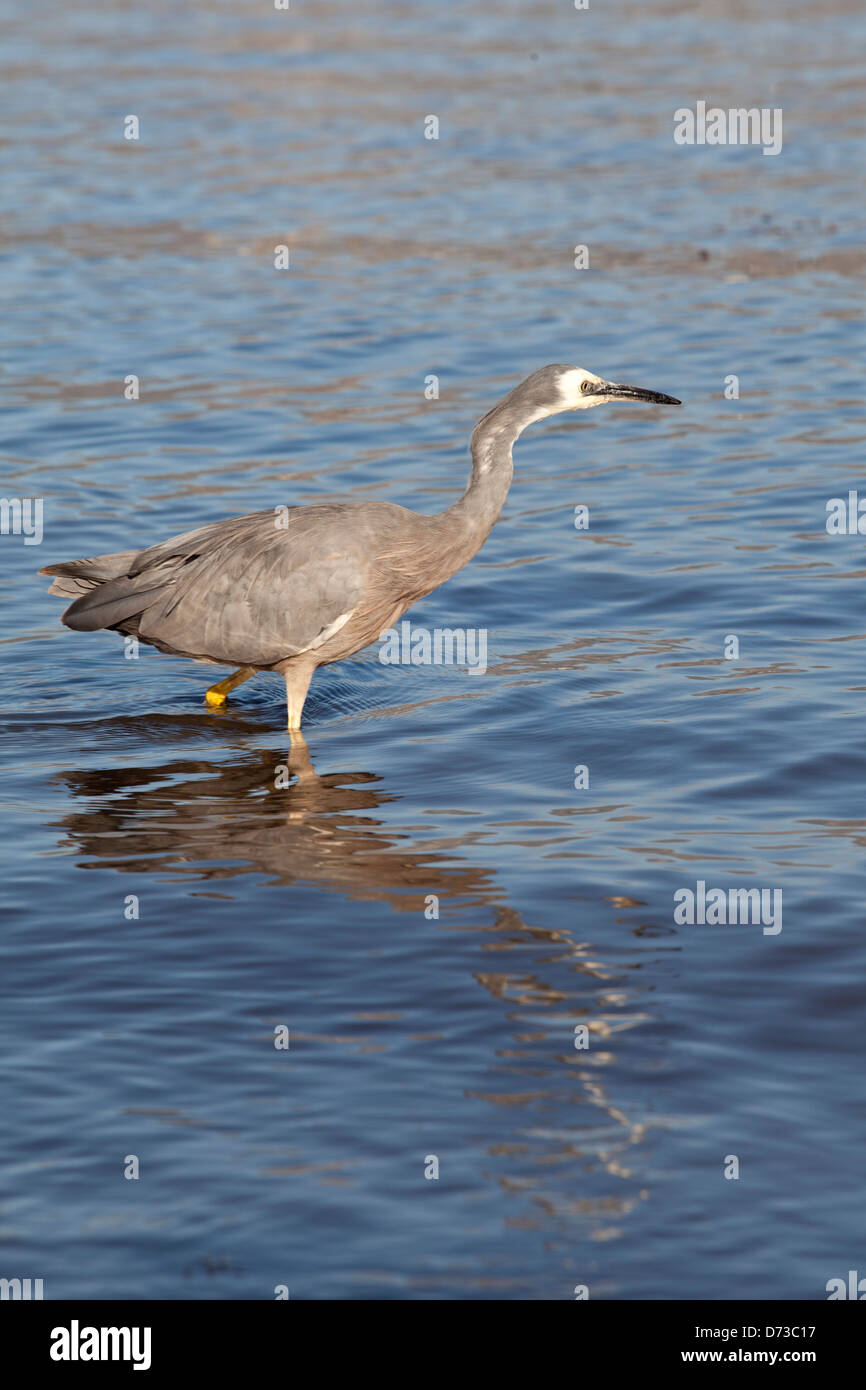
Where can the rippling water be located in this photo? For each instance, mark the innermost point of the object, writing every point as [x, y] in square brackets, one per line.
[412, 1036]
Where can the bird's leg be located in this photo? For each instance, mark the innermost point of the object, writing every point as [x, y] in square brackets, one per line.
[297, 684]
[300, 763]
[216, 696]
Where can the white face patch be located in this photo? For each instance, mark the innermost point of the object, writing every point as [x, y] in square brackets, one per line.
[571, 395]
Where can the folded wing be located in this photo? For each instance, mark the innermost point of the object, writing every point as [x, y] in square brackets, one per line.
[249, 591]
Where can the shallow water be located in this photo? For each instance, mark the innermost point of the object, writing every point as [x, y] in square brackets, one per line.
[305, 907]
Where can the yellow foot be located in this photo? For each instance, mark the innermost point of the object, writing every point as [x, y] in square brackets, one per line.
[217, 694]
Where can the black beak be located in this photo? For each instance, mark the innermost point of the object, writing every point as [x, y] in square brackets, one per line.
[615, 391]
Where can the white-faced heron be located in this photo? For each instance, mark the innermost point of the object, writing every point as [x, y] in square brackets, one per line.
[295, 588]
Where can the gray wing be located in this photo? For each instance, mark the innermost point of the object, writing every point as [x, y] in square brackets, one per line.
[246, 591]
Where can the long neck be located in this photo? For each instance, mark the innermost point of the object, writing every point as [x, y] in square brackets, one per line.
[492, 470]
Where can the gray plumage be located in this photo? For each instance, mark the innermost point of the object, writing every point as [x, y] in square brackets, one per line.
[295, 588]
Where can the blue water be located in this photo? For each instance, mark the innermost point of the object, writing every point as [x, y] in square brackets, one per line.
[413, 1036]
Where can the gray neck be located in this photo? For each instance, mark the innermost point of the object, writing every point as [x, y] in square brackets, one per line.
[492, 470]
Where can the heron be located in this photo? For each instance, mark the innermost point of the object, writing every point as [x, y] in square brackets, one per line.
[294, 588]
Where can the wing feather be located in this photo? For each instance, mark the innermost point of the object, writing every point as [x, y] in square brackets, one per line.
[246, 591]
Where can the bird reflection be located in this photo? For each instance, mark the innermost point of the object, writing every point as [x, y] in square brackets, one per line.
[559, 1111]
[263, 812]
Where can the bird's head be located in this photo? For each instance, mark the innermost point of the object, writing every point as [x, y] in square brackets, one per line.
[550, 391]
[572, 388]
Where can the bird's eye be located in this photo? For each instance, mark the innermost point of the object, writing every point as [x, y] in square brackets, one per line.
[586, 385]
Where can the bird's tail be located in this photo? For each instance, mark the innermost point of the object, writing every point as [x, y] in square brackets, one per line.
[74, 578]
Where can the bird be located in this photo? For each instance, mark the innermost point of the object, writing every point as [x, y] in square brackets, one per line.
[290, 589]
